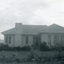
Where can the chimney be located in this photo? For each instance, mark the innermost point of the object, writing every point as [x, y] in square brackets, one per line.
[18, 25]
[18, 28]
[18, 34]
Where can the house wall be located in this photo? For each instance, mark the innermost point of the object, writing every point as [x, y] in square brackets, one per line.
[21, 40]
[44, 38]
[12, 44]
[18, 40]
[30, 40]
[60, 39]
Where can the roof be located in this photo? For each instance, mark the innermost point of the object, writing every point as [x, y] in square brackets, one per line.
[54, 28]
[35, 29]
[27, 29]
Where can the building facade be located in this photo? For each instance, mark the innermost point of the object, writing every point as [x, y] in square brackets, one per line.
[22, 35]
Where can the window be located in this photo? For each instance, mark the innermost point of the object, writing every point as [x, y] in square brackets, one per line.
[49, 39]
[26, 39]
[6, 39]
[62, 39]
[56, 39]
[9, 39]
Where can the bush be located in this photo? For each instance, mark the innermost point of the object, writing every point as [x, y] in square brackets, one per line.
[7, 48]
[56, 48]
[44, 47]
[25, 48]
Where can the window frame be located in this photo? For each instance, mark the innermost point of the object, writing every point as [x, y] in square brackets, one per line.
[6, 39]
[56, 39]
[49, 39]
[26, 39]
[9, 39]
[62, 38]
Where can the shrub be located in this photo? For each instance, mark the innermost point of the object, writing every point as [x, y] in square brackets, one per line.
[56, 48]
[25, 48]
[44, 47]
[7, 48]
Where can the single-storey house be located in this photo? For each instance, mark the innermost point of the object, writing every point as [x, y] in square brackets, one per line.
[22, 35]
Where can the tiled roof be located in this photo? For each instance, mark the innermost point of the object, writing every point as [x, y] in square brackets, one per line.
[27, 29]
[35, 29]
[54, 28]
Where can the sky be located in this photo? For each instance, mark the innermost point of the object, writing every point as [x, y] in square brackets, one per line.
[33, 12]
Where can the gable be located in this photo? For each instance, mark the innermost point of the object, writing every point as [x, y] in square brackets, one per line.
[54, 28]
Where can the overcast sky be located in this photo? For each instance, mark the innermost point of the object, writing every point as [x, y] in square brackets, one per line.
[39, 12]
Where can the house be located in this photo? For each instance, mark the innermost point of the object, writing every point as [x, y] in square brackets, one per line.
[22, 35]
